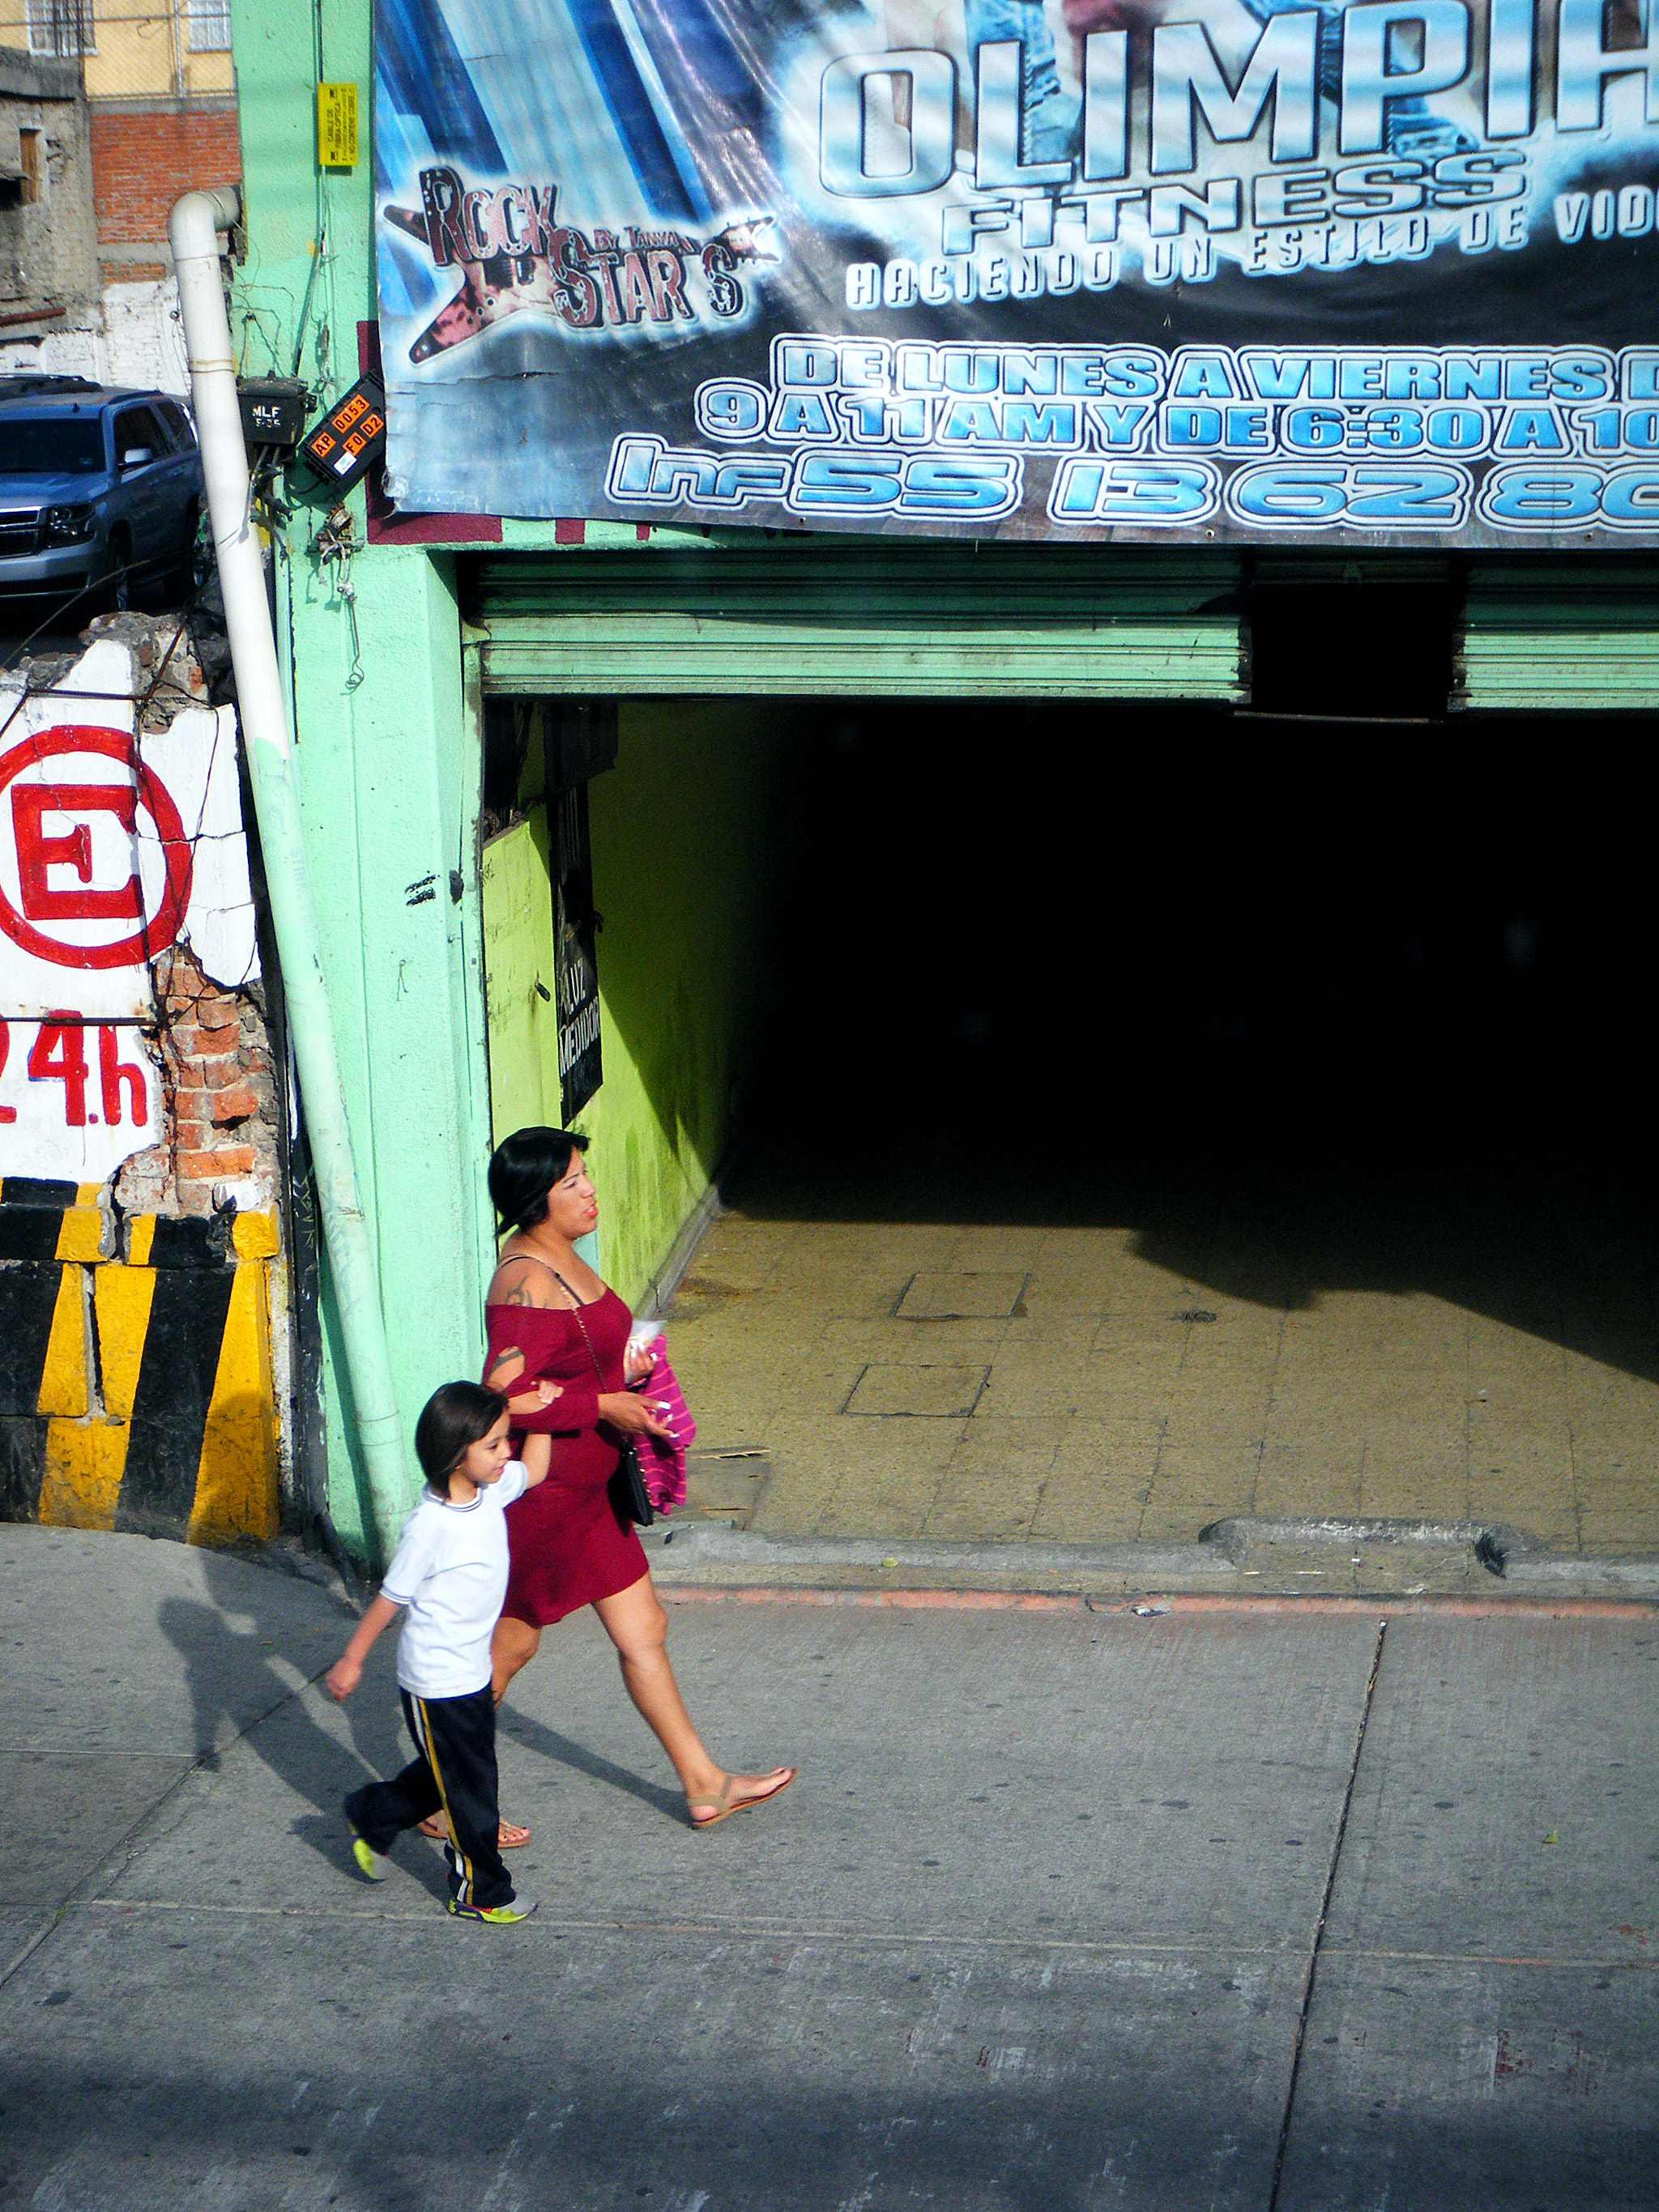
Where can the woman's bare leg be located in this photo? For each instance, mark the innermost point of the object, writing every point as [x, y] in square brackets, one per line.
[508, 1653]
[636, 1624]
[513, 1645]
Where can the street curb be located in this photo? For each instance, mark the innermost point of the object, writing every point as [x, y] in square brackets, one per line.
[1290, 1605]
[708, 1551]
[1374, 1559]
[1242, 1534]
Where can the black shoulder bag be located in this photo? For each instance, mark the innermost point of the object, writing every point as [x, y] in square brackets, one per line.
[630, 1501]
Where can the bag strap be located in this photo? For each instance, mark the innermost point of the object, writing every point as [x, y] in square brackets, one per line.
[628, 1454]
[598, 1372]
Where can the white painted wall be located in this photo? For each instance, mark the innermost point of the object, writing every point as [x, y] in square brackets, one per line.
[132, 338]
[72, 349]
[113, 845]
[144, 341]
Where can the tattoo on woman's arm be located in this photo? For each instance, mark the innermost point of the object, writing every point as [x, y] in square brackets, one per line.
[508, 1352]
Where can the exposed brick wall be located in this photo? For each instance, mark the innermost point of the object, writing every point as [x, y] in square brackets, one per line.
[141, 163]
[220, 1097]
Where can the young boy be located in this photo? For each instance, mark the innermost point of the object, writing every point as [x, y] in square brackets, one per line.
[450, 1571]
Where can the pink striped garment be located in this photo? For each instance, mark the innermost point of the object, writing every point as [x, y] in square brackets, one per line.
[663, 1465]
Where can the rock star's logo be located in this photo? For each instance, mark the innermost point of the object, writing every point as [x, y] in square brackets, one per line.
[514, 257]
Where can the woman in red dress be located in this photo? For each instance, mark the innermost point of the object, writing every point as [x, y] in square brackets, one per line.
[550, 1318]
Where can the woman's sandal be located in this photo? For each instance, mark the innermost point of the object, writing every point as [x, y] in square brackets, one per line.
[722, 1807]
[509, 1836]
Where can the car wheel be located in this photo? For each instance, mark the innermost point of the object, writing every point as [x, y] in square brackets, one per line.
[185, 578]
[117, 582]
[198, 552]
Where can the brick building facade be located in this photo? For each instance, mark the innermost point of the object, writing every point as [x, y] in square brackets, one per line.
[145, 155]
[48, 258]
[156, 96]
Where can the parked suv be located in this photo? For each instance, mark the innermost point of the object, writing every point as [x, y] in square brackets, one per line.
[98, 488]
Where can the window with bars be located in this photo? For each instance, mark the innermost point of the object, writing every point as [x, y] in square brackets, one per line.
[210, 27]
[62, 26]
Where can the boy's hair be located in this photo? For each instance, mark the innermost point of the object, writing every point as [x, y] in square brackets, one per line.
[455, 1416]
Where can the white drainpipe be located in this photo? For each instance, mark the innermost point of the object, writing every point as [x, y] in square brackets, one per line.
[193, 228]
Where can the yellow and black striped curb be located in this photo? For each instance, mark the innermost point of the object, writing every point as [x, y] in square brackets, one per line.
[136, 1388]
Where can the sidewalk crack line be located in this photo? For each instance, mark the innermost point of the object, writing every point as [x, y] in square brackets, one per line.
[1312, 1975]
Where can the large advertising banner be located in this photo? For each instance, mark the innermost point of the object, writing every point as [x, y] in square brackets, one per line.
[1385, 272]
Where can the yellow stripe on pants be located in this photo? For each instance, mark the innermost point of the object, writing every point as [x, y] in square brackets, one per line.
[437, 1776]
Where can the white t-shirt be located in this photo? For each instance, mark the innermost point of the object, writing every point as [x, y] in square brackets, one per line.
[450, 1570]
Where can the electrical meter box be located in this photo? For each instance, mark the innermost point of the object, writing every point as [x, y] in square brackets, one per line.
[350, 435]
[273, 411]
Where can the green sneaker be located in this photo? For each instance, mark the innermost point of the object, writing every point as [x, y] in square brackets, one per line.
[371, 1863]
[498, 1915]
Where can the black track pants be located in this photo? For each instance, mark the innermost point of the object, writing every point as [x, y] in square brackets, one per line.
[456, 1772]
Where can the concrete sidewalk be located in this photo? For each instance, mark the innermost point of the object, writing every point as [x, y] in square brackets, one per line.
[1251, 1907]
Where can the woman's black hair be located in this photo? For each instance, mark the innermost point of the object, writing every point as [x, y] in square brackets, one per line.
[456, 1415]
[524, 1168]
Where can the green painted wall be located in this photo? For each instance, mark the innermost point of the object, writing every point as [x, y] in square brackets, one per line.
[389, 759]
[389, 776]
[387, 752]
[685, 833]
[519, 957]
[688, 832]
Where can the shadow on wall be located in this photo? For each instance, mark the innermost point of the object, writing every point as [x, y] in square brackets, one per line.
[353, 1510]
[1305, 1010]
[692, 834]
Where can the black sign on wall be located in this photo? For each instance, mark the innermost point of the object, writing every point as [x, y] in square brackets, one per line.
[576, 970]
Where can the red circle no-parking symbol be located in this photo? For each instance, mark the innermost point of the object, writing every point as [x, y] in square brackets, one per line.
[67, 904]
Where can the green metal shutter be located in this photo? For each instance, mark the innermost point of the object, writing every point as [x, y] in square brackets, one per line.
[864, 619]
[1547, 633]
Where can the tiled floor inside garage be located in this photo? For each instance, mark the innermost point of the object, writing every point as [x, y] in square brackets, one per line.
[1267, 1341]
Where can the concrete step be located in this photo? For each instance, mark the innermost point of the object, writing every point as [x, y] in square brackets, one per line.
[1242, 1556]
